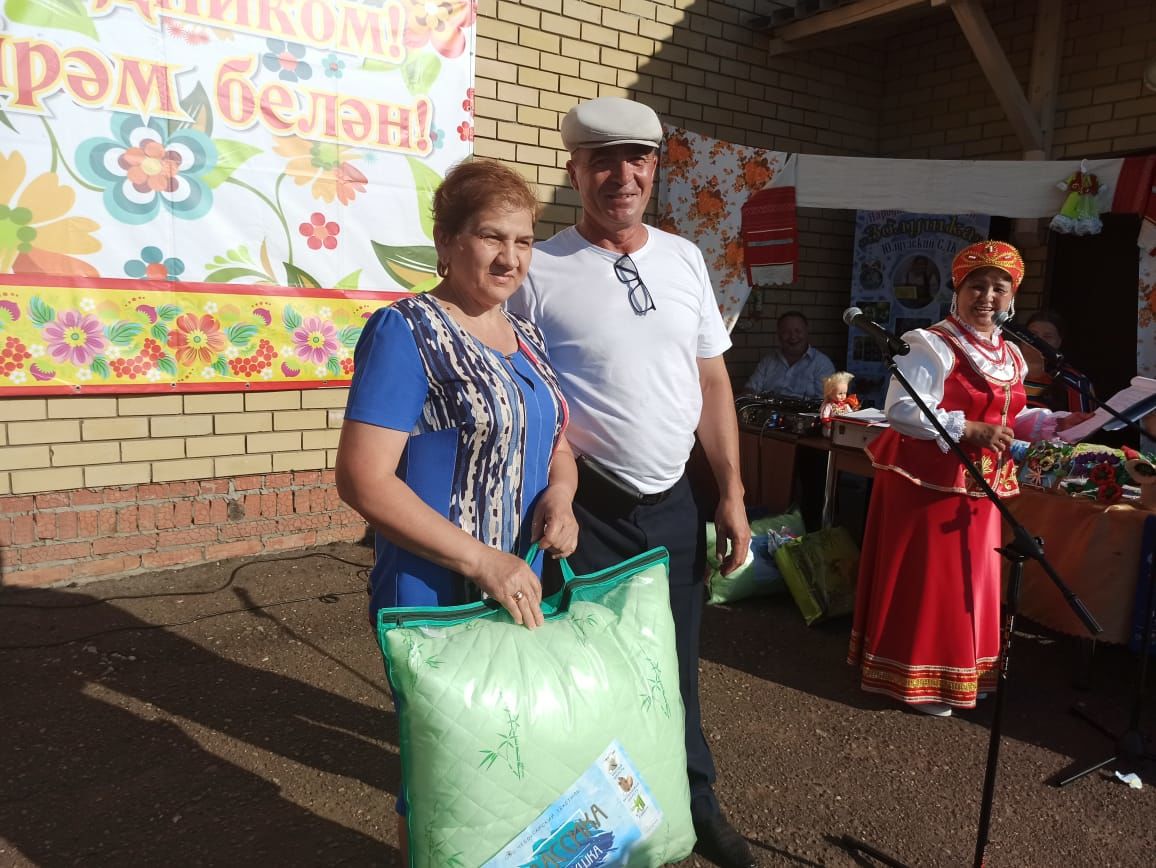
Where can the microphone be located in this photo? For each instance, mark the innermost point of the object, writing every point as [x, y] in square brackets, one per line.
[1053, 358]
[894, 346]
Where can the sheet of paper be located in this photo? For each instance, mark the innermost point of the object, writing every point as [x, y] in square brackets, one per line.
[1140, 388]
[870, 415]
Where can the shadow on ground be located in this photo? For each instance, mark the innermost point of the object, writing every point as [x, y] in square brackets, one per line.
[228, 741]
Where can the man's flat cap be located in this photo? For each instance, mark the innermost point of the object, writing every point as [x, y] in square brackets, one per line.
[610, 120]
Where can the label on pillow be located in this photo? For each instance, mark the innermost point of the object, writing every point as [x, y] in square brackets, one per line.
[596, 822]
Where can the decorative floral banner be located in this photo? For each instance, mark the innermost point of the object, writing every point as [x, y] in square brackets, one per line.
[703, 185]
[253, 143]
[71, 336]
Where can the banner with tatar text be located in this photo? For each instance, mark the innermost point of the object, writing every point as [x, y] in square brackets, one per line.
[214, 194]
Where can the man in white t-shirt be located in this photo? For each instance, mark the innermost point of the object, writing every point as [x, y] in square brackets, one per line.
[635, 335]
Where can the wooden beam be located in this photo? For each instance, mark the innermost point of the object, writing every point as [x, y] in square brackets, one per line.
[843, 16]
[1045, 79]
[1000, 75]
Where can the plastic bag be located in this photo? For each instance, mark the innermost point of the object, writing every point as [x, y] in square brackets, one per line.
[498, 722]
[820, 570]
[759, 576]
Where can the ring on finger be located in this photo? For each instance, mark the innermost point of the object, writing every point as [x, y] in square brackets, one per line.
[518, 596]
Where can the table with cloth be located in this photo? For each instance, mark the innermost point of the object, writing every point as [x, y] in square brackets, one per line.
[1096, 551]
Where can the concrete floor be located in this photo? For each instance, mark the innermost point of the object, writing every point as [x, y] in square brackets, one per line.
[267, 736]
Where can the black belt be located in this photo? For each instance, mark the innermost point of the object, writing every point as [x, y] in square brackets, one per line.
[657, 497]
[596, 480]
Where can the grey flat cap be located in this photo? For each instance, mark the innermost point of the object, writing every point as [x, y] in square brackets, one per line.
[610, 120]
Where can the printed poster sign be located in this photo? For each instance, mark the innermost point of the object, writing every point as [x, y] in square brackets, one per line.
[213, 151]
[901, 278]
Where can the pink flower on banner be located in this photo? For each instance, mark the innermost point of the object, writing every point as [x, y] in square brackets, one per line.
[465, 131]
[75, 338]
[319, 232]
[468, 102]
[315, 340]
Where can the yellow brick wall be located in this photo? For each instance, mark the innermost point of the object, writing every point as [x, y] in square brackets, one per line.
[938, 104]
[61, 444]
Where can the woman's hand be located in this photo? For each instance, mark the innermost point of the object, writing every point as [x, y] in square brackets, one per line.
[553, 526]
[994, 437]
[509, 580]
[1071, 419]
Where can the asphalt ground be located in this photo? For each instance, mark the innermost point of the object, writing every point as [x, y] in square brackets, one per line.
[258, 730]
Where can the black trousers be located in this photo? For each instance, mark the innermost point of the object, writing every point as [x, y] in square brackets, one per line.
[611, 530]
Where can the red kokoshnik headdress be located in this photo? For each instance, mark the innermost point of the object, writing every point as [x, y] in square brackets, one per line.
[988, 254]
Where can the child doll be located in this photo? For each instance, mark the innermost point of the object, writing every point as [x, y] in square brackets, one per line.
[836, 401]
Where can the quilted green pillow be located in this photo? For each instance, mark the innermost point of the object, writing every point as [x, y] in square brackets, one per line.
[499, 724]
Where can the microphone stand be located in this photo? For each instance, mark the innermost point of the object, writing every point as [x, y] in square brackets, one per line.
[1023, 546]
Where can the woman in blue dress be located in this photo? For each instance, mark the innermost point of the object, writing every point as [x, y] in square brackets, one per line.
[452, 447]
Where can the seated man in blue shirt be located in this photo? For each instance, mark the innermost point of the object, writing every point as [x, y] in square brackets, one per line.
[796, 369]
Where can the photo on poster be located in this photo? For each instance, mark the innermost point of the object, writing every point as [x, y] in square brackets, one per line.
[901, 280]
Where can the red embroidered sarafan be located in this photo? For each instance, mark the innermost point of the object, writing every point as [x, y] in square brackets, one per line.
[985, 383]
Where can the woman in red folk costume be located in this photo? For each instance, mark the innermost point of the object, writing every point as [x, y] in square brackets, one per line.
[926, 628]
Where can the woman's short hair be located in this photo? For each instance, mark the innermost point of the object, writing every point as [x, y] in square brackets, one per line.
[474, 185]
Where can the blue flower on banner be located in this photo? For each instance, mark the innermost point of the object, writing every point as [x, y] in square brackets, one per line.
[287, 60]
[146, 166]
[333, 65]
[153, 265]
[439, 138]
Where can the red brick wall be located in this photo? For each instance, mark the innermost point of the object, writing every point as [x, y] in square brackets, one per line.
[118, 531]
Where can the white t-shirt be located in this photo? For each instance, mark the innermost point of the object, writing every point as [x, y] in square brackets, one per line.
[631, 381]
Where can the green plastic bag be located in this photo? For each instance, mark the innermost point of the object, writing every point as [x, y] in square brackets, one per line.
[497, 721]
[820, 569]
[760, 576]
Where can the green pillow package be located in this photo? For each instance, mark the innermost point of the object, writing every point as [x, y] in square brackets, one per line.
[759, 576]
[820, 569]
[503, 729]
